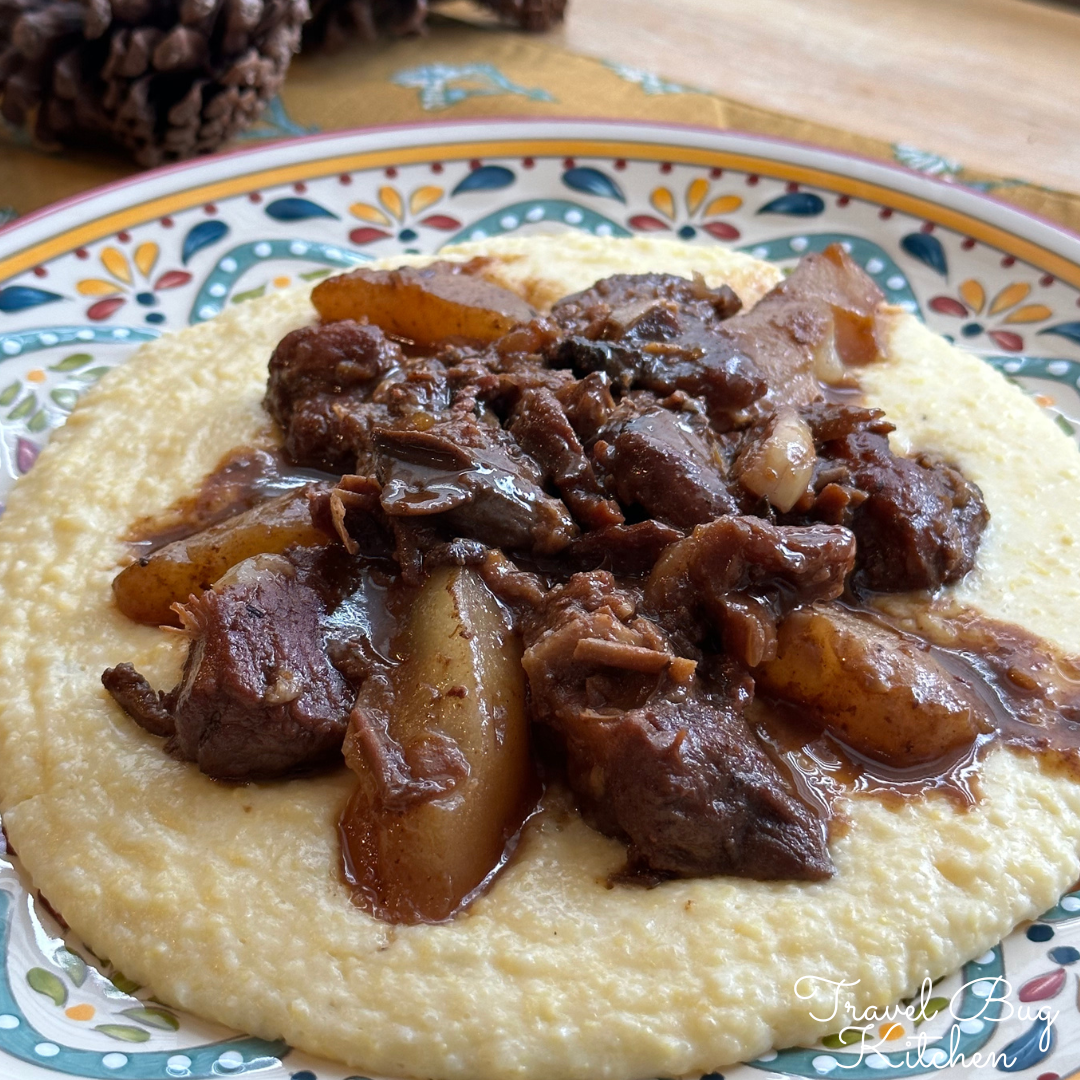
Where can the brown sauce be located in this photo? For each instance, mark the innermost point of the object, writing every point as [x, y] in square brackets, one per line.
[1031, 687]
[850, 393]
[1027, 695]
[243, 479]
[822, 768]
[1030, 690]
[365, 896]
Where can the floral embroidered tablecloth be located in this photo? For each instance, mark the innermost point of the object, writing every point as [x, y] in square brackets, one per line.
[459, 71]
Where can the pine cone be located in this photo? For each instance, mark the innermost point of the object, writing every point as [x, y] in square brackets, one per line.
[335, 22]
[165, 78]
[532, 15]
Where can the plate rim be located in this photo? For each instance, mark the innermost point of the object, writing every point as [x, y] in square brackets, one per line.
[1000, 216]
[278, 148]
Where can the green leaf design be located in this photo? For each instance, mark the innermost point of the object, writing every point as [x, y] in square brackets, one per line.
[848, 1037]
[251, 294]
[314, 275]
[39, 421]
[45, 982]
[24, 408]
[123, 1032]
[931, 1008]
[10, 393]
[93, 374]
[1064, 425]
[73, 362]
[123, 983]
[73, 965]
[65, 397]
[155, 1018]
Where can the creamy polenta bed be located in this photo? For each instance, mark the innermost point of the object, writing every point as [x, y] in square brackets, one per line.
[573, 644]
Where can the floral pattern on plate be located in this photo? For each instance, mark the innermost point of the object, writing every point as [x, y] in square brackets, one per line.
[80, 296]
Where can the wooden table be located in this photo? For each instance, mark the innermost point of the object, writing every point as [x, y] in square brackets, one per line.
[992, 83]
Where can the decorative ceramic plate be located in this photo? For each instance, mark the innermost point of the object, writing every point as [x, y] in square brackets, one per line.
[84, 282]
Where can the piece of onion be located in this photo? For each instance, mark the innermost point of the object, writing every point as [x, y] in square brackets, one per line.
[779, 465]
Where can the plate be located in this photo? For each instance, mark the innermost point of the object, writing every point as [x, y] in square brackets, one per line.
[83, 283]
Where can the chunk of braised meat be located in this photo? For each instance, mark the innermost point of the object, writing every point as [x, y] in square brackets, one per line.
[588, 404]
[630, 550]
[740, 575]
[258, 697]
[318, 375]
[473, 474]
[501, 390]
[542, 430]
[421, 386]
[619, 302]
[500, 374]
[661, 333]
[151, 709]
[522, 591]
[360, 628]
[669, 466]
[414, 538]
[918, 521]
[829, 422]
[351, 512]
[804, 332]
[522, 346]
[657, 752]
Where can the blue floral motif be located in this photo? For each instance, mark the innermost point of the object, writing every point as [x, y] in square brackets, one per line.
[592, 182]
[795, 204]
[649, 82]
[928, 250]
[220, 282]
[931, 164]
[20, 297]
[276, 123]
[293, 209]
[1029, 1049]
[923, 161]
[486, 178]
[201, 236]
[443, 85]
[1068, 330]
